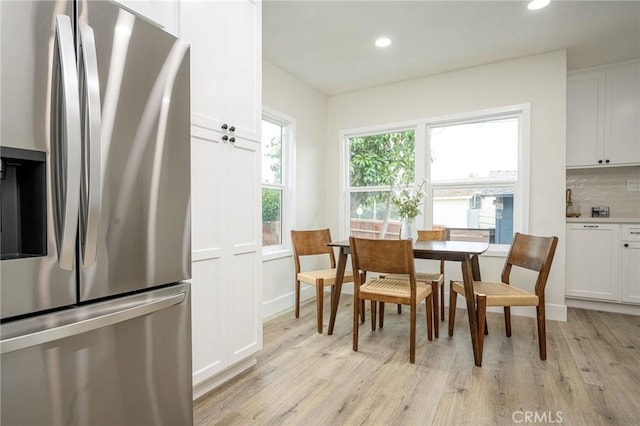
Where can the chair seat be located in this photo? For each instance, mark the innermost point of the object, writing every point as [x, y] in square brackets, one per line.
[425, 277]
[323, 277]
[499, 294]
[397, 289]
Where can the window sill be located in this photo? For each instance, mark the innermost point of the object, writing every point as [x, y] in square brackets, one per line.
[274, 254]
[497, 250]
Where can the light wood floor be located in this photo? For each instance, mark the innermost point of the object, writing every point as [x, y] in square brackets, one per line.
[591, 376]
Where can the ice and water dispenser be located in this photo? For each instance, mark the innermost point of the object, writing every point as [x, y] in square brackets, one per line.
[23, 203]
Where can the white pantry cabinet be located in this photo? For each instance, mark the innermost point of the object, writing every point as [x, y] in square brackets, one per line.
[226, 65]
[226, 187]
[162, 13]
[603, 116]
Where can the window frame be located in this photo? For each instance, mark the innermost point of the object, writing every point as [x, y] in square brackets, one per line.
[423, 168]
[287, 210]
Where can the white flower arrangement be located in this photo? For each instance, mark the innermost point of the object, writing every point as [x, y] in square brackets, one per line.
[409, 198]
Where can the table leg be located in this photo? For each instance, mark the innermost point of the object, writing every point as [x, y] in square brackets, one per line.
[470, 269]
[335, 299]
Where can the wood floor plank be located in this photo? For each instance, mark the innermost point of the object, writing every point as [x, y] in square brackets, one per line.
[591, 376]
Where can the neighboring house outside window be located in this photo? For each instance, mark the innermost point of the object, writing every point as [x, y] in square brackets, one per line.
[476, 171]
[277, 195]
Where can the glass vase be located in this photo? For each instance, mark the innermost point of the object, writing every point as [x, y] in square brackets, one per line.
[409, 228]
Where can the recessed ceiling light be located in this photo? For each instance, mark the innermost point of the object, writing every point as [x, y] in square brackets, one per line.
[383, 42]
[537, 4]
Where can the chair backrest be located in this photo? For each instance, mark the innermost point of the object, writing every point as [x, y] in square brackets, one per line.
[431, 234]
[312, 242]
[386, 256]
[534, 253]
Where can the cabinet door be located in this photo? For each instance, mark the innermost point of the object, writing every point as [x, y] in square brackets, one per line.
[200, 23]
[630, 273]
[162, 13]
[585, 115]
[593, 261]
[243, 67]
[208, 192]
[244, 287]
[622, 124]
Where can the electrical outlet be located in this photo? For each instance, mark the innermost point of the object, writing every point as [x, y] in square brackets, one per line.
[633, 185]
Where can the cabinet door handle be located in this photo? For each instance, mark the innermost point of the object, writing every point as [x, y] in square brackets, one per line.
[233, 129]
[589, 226]
[607, 161]
[225, 138]
[232, 139]
[626, 244]
[225, 127]
[600, 161]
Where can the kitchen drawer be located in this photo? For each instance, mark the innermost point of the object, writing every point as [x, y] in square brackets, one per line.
[630, 233]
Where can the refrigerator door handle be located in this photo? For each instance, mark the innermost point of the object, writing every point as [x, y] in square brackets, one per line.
[91, 148]
[87, 325]
[65, 142]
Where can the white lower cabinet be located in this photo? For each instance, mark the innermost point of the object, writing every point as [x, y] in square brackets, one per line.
[630, 264]
[601, 264]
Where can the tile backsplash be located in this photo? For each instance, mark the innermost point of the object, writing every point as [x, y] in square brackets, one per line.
[605, 187]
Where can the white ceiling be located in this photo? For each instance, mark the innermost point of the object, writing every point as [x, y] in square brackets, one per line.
[329, 44]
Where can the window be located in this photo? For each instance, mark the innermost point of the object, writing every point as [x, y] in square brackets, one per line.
[376, 163]
[474, 175]
[475, 166]
[277, 144]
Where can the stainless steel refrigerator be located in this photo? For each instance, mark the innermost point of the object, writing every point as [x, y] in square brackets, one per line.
[95, 217]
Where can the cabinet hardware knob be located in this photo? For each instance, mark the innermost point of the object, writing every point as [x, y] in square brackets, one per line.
[233, 129]
[607, 161]
[626, 245]
[224, 126]
[600, 161]
[232, 139]
[225, 138]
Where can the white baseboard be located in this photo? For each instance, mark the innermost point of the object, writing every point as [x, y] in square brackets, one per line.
[596, 305]
[282, 303]
[222, 377]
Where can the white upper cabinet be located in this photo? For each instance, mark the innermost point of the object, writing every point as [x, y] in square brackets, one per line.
[226, 65]
[603, 117]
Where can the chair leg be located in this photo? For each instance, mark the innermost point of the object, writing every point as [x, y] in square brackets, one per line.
[430, 317]
[507, 320]
[374, 305]
[319, 305]
[442, 302]
[399, 309]
[356, 323]
[381, 315]
[363, 317]
[542, 331]
[297, 299]
[412, 334]
[453, 298]
[434, 302]
[482, 320]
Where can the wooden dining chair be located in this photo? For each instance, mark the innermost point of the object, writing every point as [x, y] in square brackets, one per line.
[435, 279]
[527, 251]
[314, 243]
[395, 257]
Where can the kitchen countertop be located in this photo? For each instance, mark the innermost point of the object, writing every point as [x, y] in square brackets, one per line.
[587, 219]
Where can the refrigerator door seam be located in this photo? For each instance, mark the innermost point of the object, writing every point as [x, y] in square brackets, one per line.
[68, 330]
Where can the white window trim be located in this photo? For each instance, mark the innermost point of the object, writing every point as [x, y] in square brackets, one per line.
[521, 203]
[288, 183]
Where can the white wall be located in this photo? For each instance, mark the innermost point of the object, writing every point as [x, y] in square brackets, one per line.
[539, 80]
[285, 93]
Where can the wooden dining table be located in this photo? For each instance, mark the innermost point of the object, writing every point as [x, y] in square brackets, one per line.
[459, 251]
